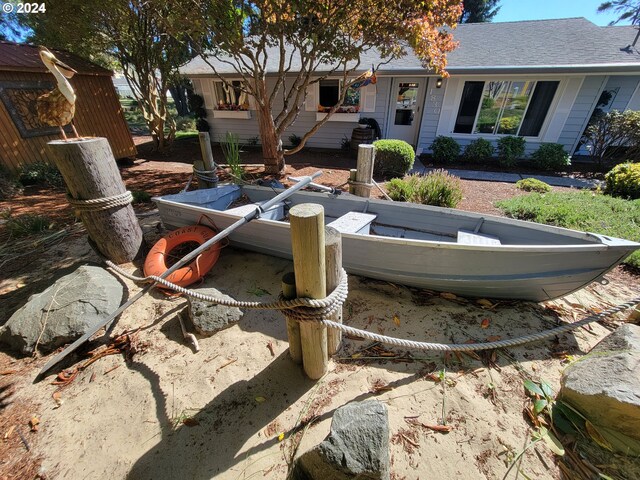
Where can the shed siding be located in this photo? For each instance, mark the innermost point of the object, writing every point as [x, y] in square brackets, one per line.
[431, 115]
[627, 86]
[330, 135]
[581, 111]
[98, 113]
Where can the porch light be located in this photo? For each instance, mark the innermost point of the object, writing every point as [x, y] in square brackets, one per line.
[439, 82]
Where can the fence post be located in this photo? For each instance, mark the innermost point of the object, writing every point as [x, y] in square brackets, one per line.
[207, 163]
[293, 326]
[307, 243]
[364, 171]
[333, 259]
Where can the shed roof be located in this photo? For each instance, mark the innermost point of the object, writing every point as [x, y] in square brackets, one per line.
[563, 45]
[17, 57]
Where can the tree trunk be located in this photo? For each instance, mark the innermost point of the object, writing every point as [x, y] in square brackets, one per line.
[272, 152]
[90, 172]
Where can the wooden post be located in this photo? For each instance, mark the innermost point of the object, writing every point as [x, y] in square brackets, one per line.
[333, 259]
[364, 174]
[353, 173]
[207, 163]
[307, 243]
[293, 326]
[90, 172]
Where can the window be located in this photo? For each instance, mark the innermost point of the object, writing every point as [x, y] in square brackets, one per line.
[229, 96]
[329, 95]
[506, 107]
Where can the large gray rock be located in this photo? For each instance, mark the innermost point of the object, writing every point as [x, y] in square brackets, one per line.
[209, 318]
[64, 311]
[357, 446]
[605, 386]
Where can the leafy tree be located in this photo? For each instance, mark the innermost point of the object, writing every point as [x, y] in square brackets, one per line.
[625, 9]
[129, 32]
[479, 11]
[313, 39]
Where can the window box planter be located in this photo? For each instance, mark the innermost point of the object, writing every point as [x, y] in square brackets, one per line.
[239, 114]
[339, 117]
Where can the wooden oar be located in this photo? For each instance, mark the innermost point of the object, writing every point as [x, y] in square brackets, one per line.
[186, 259]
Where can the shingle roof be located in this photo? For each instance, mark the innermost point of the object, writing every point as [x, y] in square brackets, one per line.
[563, 45]
[18, 57]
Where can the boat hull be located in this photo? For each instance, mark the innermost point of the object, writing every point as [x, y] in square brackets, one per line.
[529, 272]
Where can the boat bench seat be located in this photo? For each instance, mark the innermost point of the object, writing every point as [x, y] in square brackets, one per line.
[274, 213]
[467, 237]
[353, 222]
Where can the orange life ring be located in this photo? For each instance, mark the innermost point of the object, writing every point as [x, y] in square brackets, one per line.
[155, 263]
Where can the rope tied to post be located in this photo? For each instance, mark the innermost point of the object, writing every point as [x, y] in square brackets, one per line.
[104, 203]
[210, 176]
[301, 309]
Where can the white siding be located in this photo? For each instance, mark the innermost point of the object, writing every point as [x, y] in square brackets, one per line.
[329, 135]
[433, 106]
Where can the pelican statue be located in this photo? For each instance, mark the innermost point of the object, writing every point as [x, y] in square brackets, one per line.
[57, 107]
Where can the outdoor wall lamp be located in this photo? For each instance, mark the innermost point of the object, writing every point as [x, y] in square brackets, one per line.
[439, 82]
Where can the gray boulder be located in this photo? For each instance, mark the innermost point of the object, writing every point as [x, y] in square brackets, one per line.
[209, 318]
[357, 446]
[605, 386]
[64, 311]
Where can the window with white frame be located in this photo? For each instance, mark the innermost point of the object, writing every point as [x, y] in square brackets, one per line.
[329, 95]
[229, 96]
[505, 107]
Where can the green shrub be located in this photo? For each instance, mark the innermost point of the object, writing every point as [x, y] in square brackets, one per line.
[202, 125]
[394, 158]
[478, 151]
[140, 196]
[533, 185]
[185, 124]
[551, 156]
[9, 186]
[41, 173]
[445, 149]
[438, 188]
[231, 150]
[624, 180]
[510, 149]
[294, 140]
[25, 225]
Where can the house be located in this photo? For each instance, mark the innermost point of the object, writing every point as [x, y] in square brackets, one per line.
[538, 79]
[23, 78]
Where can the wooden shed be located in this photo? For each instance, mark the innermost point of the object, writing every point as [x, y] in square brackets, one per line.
[23, 77]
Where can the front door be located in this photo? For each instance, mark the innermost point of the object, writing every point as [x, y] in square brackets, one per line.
[407, 99]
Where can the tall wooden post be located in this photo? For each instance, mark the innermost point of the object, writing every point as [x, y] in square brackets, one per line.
[90, 172]
[307, 242]
[333, 259]
[293, 326]
[207, 163]
[364, 172]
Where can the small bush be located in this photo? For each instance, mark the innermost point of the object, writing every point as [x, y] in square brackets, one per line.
[533, 185]
[438, 188]
[41, 173]
[140, 196]
[202, 125]
[185, 124]
[510, 149]
[25, 225]
[479, 151]
[624, 181]
[9, 186]
[295, 140]
[345, 143]
[394, 158]
[445, 149]
[551, 156]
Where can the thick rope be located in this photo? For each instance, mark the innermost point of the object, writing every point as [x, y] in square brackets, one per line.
[362, 184]
[104, 203]
[206, 175]
[306, 309]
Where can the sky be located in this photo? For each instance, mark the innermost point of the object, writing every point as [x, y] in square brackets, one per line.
[513, 10]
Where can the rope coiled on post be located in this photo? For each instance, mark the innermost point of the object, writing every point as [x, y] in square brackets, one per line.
[306, 309]
[206, 175]
[104, 203]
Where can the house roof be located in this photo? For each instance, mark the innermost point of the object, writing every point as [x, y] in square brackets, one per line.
[559, 46]
[16, 57]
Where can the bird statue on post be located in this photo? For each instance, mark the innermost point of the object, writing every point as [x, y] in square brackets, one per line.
[57, 107]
